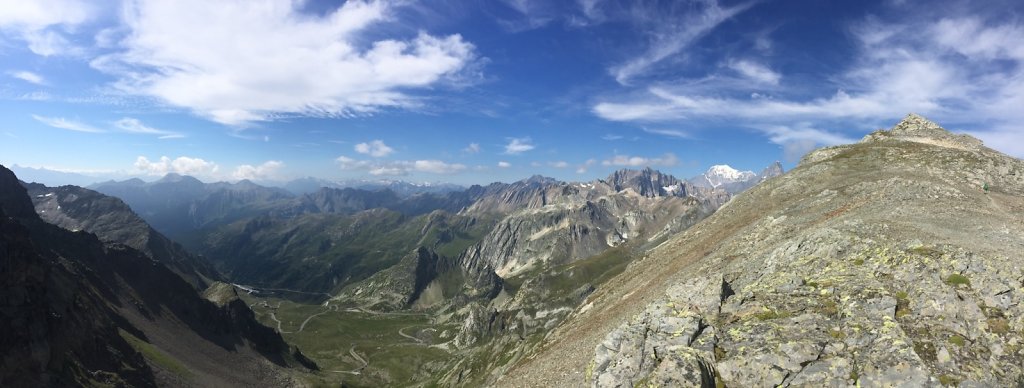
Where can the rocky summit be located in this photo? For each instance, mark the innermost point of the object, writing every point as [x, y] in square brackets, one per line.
[895, 261]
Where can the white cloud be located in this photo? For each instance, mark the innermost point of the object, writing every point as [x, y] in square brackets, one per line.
[671, 31]
[504, 164]
[62, 123]
[533, 14]
[437, 167]
[240, 61]
[582, 169]
[472, 148]
[374, 148]
[611, 137]
[518, 145]
[267, 170]
[28, 76]
[398, 167]
[36, 22]
[668, 132]
[132, 125]
[559, 164]
[183, 165]
[667, 160]
[967, 69]
[755, 72]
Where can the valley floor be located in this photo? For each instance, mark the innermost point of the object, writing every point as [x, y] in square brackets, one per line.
[358, 347]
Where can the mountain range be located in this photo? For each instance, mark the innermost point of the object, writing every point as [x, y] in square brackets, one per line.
[891, 261]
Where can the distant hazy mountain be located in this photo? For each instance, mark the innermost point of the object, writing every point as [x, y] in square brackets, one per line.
[401, 188]
[734, 181]
[54, 178]
[177, 205]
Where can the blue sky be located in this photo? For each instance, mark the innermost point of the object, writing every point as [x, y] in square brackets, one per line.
[476, 91]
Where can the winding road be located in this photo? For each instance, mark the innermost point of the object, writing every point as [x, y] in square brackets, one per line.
[352, 351]
[401, 332]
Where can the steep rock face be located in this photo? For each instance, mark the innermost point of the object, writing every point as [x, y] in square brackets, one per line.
[44, 312]
[502, 198]
[82, 312]
[893, 261]
[75, 208]
[648, 183]
[563, 222]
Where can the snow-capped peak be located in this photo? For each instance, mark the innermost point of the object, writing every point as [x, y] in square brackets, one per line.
[722, 173]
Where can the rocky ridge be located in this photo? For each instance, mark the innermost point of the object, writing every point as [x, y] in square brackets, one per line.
[890, 261]
[75, 208]
[78, 311]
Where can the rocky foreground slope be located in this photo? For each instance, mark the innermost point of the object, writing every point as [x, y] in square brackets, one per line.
[76, 310]
[893, 261]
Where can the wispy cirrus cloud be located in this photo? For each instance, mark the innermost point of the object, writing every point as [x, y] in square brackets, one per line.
[132, 125]
[967, 68]
[71, 125]
[28, 76]
[675, 133]
[670, 30]
[755, 71]
[188, 54]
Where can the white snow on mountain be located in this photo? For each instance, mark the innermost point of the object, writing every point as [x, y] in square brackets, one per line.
[721, 174]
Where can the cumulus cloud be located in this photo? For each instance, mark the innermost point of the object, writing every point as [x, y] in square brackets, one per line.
[265, 171]
[375, 148]
[132, 125]
[240, 61]
[504, 164]
[472, 148]
[28, 76]
[667, 160]
[518, 145]
[559, 164]
[183, 165]
[62, 123]
[398, 167]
